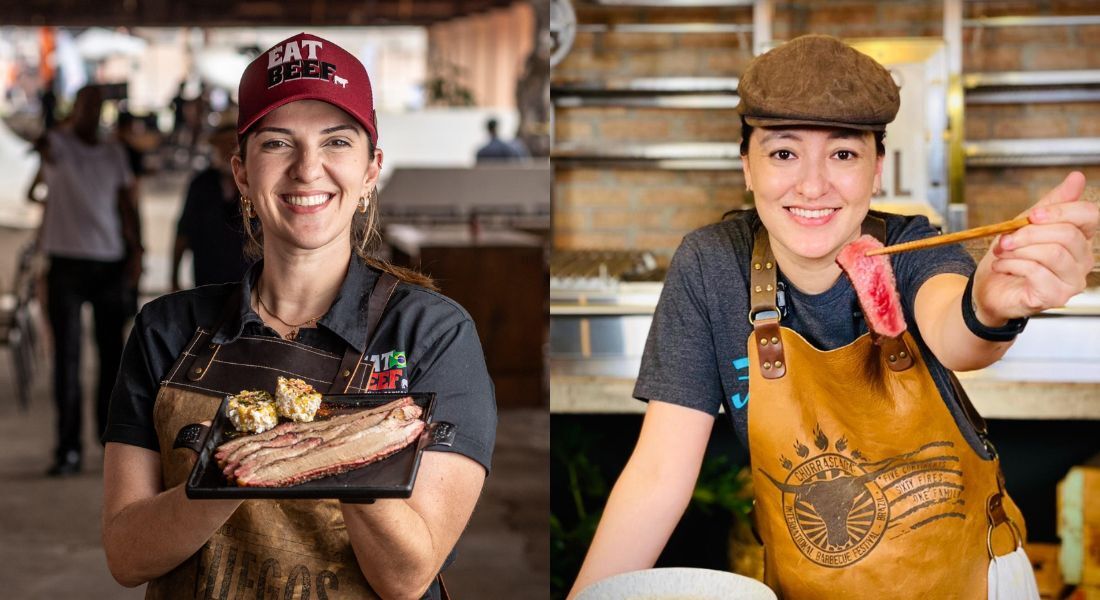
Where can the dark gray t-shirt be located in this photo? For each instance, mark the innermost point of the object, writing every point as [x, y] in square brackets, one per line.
[697, 355]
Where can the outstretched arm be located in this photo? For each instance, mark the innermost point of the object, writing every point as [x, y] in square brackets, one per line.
[669, 451]
[1040, 266]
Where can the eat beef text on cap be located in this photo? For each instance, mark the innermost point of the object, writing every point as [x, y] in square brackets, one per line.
[817, 80]
[306, 67]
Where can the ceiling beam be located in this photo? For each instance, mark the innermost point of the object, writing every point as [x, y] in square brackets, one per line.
[249, 13]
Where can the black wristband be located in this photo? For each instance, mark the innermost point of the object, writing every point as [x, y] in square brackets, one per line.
[1004, 333]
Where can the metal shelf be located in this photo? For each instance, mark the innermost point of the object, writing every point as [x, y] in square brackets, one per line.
[688, 101]
[1033, 152]
[1033, 96]
[655, 92]
[1033, 21]
[676, 156]
[647, 85]
[1031, 78]
[685, 28]
[1032, 87]
[672, 3]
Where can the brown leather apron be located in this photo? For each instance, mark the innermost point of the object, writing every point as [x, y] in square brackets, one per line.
[267, 548]
[864, 485]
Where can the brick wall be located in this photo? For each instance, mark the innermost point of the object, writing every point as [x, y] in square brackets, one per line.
[646, 208]
[598, 207]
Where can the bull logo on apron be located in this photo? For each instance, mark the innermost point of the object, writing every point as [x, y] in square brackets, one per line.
[837, 505]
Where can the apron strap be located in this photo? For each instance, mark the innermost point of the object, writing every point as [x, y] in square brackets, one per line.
[764, 314]
[204, 356]
[352, 361]
[443, 595]
[976, 421]
[762, 278]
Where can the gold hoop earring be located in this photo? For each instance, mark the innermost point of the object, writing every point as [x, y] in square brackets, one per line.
[365, 201]
[246, 207]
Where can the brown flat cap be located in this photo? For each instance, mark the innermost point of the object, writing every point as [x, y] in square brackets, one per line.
[817, 80]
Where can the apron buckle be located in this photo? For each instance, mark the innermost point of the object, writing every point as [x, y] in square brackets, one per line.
[769, 346]
[995, 512]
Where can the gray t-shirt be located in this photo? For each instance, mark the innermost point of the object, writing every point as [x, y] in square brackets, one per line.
[82, 218]
[697, 354]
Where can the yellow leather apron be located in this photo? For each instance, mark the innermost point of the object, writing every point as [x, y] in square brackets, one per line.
[864, 485]
[268, 548]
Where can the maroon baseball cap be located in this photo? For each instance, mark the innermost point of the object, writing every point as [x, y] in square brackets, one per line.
[306, 67]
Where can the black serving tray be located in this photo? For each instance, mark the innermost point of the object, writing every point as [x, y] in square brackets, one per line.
[391, 477]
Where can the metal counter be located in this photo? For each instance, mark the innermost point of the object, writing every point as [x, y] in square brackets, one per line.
[1051, 372]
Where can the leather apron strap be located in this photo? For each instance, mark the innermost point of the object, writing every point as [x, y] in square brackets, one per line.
[764, 314]
[350, 364]
[204, 355]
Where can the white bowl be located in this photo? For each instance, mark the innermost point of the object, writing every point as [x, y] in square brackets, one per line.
[677, 584]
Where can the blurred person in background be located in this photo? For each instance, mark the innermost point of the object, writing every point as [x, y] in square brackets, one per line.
[48, 100]
[179, 122]
[210, 224]
[91, 234]
[130, 131]
[498, 149]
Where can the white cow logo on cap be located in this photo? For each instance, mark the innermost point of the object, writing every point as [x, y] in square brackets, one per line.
[340, 81]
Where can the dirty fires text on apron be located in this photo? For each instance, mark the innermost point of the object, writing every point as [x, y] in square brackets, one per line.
[862, 479]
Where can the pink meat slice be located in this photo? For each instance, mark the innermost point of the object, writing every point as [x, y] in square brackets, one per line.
[873, 279]
[294, 432]
[225, 450]
[346, 452]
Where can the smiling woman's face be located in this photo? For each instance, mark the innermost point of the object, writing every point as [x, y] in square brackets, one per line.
[308, 163]
[812, 187]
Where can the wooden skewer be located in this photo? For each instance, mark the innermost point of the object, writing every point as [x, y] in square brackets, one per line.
[951, 238]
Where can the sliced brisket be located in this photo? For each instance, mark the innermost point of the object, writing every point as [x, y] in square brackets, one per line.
[229, 447]
[308, 451]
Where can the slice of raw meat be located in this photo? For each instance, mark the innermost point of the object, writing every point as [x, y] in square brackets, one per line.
[873, 279]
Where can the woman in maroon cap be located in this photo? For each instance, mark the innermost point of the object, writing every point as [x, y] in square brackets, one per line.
[317, 307]
[872, 474]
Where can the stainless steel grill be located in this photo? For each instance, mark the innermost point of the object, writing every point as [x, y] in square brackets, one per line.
[601, 306]
[604, 277]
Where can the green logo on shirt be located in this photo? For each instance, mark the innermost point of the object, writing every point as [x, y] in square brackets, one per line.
[396, 360]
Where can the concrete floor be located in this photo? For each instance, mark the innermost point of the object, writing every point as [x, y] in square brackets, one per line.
[50, 528]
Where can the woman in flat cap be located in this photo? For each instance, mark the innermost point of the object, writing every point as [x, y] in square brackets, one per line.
[319, 308]
[872, 473]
